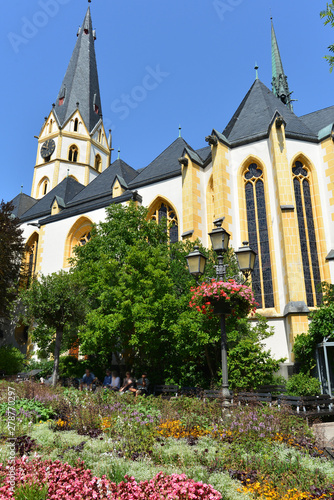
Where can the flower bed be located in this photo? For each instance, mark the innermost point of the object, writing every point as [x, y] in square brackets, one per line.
[231, 296]
[64, 482]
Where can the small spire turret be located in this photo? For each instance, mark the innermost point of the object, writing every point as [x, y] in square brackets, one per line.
[279, 82]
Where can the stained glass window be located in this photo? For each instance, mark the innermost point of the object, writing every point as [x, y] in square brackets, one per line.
[307, 235]
[164, 214]
[258, 236]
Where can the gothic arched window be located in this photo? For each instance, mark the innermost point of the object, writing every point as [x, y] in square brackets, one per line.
[164, 214]
[73, 153]
[31, 251]
[258, 236]
[307, 235]
[79, 234]
[98, 163]
[76, 124]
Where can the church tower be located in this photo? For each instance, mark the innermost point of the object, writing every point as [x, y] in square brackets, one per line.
[73, 141]
[279, 82]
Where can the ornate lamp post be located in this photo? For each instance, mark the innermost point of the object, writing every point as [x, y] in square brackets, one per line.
[196, 264]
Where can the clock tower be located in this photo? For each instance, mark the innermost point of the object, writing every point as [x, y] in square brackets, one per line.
[73, 141]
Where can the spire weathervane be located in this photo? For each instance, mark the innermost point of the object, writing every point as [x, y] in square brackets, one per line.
[256, 67]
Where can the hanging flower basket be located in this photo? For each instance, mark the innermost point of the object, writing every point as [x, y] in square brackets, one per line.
[223, 297]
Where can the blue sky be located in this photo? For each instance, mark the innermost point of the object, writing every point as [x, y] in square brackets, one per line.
[203, 50]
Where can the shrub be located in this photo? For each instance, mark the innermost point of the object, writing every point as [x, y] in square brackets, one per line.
[11, 360]
[303, 385]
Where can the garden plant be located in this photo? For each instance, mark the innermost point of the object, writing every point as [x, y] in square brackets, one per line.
[85, 445]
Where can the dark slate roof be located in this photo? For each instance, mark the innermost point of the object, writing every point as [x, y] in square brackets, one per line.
[164, 166]
[101, 201]
[66, 190]
[81, 81]
[318, 120]
[252, 119]
[102, 184]
[22, 202]
[204, 153]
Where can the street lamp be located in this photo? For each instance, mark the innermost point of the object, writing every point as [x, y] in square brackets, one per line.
[246, 262]
[196, 262]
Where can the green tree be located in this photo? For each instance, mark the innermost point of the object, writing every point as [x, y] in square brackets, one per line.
[139, 289]
[11, 251]
[328, 16]
[56, 305]
[321, 326]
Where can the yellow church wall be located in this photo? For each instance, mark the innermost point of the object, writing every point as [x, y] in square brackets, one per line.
[328, 147]
[40, 249]
[221, 177]
[191, 199]
[288, 224]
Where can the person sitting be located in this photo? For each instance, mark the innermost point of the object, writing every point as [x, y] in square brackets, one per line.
[128, 384]
[107, 380]
[143, 385]
[87, 380]
[115, 382]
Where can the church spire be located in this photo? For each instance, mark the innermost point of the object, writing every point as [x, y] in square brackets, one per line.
[80, 87]
[279, 82]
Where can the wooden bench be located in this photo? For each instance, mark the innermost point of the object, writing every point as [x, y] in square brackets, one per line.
[166, 391]
[215, 394]
[273, 389]
[309, 406]
[190, 391]
[254, 398]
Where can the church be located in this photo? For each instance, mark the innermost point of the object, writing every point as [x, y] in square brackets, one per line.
[269, 172]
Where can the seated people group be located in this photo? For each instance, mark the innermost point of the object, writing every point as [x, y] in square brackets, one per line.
[112, 382]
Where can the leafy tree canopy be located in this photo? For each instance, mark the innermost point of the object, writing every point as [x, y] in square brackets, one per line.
[321, 326]
[56, 306]
[139, 290]
[328, 16]
[11, 251]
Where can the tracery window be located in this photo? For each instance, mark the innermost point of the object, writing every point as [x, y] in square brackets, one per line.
[262, 283]
[73, 153]
[79, 234]
[164, 214]
[307, 235]
[84, 239]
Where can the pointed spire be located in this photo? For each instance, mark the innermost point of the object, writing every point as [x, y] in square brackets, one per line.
[81, 83]
[280, 85]
[180, 128]
[119, 154]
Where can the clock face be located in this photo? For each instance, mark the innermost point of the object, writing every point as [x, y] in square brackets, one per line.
[48, 148]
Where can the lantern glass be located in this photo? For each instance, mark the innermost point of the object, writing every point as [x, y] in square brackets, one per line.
[246, 258]
[219, 239]
[196, 262]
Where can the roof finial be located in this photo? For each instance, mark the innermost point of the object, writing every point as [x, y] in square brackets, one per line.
[21, 188]
[256, 71]
[119, 151]
[68, 172]
[180, 128]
